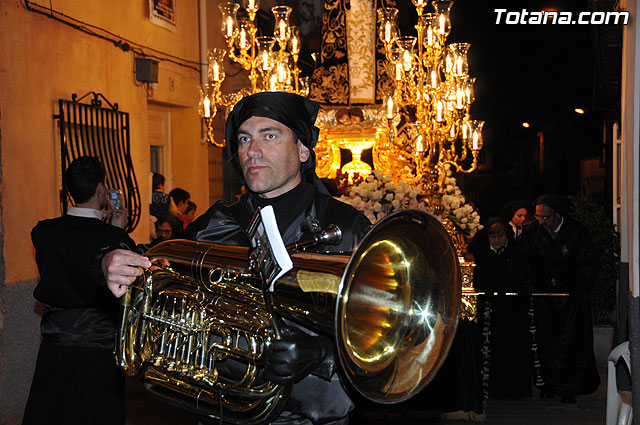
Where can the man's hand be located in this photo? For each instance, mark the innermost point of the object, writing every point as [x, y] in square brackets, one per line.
[121, 268]
[295, 355]
[119, 217]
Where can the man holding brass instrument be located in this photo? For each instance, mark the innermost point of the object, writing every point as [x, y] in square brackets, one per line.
[270, 139]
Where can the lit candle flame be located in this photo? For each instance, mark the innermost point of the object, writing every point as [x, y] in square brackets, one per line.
[459, 98]
[439, 111]
[243, 39]
[465, 131]
[207, 107]
[283, 30]
[216, 71]
[406, 57]
[281, 73]
[475, 141]
[229, 26]
[459, 66]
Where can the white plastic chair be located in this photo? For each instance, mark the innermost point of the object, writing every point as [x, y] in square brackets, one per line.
[619, 408]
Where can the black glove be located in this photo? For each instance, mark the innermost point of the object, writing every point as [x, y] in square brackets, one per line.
[296, 355]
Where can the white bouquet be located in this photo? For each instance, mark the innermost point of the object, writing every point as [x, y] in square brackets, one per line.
[377, 196]
[461, 214]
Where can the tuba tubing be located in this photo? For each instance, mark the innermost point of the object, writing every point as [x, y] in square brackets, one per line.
[196, 329]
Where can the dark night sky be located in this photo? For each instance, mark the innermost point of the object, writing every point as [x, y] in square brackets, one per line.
[524, 72]
[533, 73]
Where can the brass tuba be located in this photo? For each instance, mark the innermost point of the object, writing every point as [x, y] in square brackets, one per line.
[197, 327]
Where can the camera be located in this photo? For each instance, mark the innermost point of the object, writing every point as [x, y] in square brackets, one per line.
[115, 199]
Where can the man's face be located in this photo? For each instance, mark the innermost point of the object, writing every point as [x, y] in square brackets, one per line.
[519, 217]
[546, 216]
[269, 156]
[164, 231]
[182, 206]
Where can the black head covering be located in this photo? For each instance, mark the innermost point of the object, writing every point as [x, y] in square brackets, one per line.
[296, 112]
[556, 202]
[511, 207]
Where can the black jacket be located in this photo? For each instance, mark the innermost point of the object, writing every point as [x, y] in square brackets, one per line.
[318, 398]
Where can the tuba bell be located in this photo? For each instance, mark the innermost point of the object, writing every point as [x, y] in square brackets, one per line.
[196, 328]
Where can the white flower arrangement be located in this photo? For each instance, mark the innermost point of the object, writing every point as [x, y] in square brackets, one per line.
[377, 196]
[461, 214]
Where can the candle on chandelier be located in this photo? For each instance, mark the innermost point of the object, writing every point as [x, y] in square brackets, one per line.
[460, 98]
[243, 40]
[229, 26]
[430, 37]
[281, 73]
[407, 59]
[283, 30]
[475, 141]
[398, 71]
[207, 107]
[448, 64]
[387, 32]
[265, 60]
[465, 129]
[439, 111]
[459, 66]
[216, 71]
[294, 45]
[390, 107]
[251, 4]
[442, 21]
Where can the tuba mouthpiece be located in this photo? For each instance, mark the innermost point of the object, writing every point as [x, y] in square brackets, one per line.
[332, 235]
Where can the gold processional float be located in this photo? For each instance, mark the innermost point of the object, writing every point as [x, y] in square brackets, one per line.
[197, 327]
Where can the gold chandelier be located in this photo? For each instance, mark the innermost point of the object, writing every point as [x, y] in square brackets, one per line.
[428, 112]
[272, 59]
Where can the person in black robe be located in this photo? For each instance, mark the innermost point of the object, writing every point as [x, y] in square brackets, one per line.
[76, 380]
[561, 258]
[503, 314]
[270, 139]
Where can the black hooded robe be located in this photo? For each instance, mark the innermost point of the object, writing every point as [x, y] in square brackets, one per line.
[564, 332]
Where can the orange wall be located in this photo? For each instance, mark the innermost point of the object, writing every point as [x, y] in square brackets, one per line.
[43, 60]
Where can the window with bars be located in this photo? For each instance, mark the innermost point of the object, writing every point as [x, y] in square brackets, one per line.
[103, 132]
